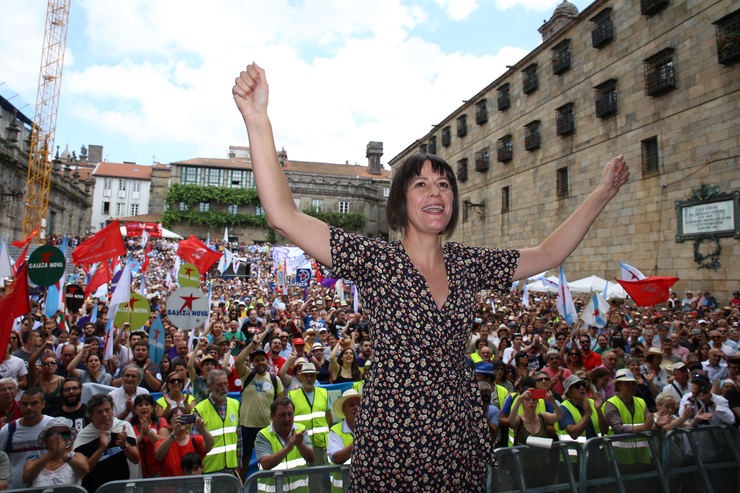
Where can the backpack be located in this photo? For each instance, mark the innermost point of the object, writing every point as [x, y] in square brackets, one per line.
[273, 379]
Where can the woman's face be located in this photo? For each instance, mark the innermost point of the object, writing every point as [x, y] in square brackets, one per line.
[348, 355]
[49, 365]
[93, 363]
[429, 201]
[143, 408]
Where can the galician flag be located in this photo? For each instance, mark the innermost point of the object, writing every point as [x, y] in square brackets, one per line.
[596, 311]
[629, 273]
[565, 305]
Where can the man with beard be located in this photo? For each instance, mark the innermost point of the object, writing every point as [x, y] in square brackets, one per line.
[220, 414]
[107, 442]
[260, 389]
[72, 407]
[19, 438]
[141, 358]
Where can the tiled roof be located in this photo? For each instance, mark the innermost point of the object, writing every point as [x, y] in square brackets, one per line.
[123, 170]
[294, 166]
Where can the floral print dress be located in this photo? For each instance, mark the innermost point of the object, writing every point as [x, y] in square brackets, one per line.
[420, 425]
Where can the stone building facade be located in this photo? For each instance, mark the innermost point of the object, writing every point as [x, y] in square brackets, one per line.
[653, 80]
[325, 187]
[70, 191]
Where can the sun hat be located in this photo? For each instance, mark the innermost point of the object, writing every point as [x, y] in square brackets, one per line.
[624, 375]
[308, 367]
[570, 381]
[339, 403]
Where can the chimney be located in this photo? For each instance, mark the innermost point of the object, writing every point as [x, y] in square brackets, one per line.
[373, 153]
[94, 153]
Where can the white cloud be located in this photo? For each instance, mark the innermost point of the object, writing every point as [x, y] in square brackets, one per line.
[458, 9]
[158, 75]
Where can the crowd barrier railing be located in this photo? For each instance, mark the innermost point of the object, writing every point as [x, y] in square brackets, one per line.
[49, 489]
[207, 483]
[704, 459]
[536, 469]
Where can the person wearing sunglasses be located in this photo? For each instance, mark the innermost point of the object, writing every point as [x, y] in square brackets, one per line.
[173, 396]
[582, 417]
[57, 465]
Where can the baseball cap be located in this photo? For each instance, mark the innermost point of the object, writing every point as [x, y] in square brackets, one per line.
[299, 342]
[484, 368]
[257, 352]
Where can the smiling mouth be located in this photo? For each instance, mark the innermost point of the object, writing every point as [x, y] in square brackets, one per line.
[433, 208]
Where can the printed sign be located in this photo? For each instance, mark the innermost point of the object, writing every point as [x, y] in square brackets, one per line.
[187, 308]
[74, 297]
[46, 265]
[188, 276]
[135, 312]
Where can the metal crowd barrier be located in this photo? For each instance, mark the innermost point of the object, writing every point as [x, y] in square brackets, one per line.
[536, 469]
[704, 459]
[282, 477]
[50, 489]
[208, 483]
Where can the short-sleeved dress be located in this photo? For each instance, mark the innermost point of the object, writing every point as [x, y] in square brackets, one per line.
[420, 425]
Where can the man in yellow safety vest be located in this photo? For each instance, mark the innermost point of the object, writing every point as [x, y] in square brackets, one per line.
[342, 435]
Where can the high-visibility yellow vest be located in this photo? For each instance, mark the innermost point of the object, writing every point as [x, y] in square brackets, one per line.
[337, 478]
[577, 416]
[294, 460]
[223, 455]
[476, 357]
[634, 450]
[313, 417]
[502, 393]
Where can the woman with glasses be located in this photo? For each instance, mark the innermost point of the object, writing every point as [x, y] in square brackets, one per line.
[57, 464]
[94, 370]
[499, 375]
[47, 379]
[574, 360]
[173, 396]
[149, 429]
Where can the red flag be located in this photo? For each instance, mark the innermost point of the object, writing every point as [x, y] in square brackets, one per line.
[317, 272]
[145, 264]
[197, 253]
[101, 276]
[649, 291]
[12, 305]
[106, 243]
[21, 244]
[21, 258]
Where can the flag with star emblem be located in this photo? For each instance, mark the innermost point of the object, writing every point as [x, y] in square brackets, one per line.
[103, 245]
[595, 311]
[197, 253]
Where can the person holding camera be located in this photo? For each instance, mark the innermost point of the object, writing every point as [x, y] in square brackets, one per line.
[170, 451]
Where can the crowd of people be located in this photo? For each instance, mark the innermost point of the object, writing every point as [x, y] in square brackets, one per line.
[71, 416]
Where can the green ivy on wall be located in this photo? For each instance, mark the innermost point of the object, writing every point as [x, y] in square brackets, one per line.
[212, 219]
[349, 222]
[194, 194]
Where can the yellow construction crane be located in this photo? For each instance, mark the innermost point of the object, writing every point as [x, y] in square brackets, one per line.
[36, 200]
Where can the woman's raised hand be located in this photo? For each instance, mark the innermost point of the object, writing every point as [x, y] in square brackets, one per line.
[250, 91]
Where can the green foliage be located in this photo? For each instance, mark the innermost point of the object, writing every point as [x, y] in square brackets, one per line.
[349, 222]
[211, 218]
[194, 194]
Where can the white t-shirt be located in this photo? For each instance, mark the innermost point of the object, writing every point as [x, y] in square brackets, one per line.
[120, 398]
[64, 476]
[13, 367]
[24, 445]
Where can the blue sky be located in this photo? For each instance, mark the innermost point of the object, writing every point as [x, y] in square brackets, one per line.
[150, 80]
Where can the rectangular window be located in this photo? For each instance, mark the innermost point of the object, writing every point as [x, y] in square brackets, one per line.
[232, 209]
[317, 205]
[182, 206]
[122, 185]
[259, 211]
[603, 32]
[106, 208]
[462, 126]
[505, 149]
[204, 206]
[481, 111]
[343, 207]
[561, 57]
[532, 136]
[386, 192]
[134, 209]
[446, 136]
[728, 38]
[432, 148]
[190, 175]
[107, 183]
[250, 178]
[237, 178]
[120, 209]
[650, 162]
[462, 170]
[136, 186]
[566, 121]
[423, 149]
[297, 203]
[562, 183]
[481, 160]
[504, 98]
[529, 79]
[605, 98]
[660, 76]
[652, 7]
[505, 199]
[214, 177]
